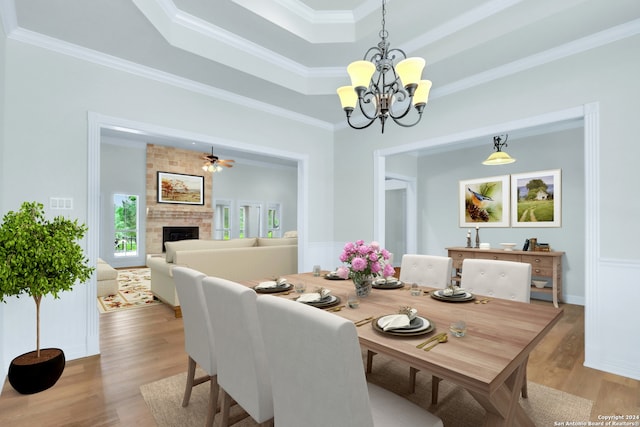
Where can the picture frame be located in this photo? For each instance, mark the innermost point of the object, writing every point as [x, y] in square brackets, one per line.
[484, 202]
[182, 189]
[536, 199]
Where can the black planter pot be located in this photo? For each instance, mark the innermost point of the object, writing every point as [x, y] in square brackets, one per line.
[29, 375]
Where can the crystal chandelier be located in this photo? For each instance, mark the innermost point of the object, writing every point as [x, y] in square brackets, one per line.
[381, 90]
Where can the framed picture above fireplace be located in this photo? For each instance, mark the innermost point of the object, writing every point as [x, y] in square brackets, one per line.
[181, 189]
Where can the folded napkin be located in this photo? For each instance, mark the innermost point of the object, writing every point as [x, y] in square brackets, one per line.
[314, 296]
[272, 284]
[453, 291]
[397, 321]
[387, 281]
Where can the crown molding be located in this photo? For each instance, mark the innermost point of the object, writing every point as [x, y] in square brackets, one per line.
[593, 41]
[89, 55]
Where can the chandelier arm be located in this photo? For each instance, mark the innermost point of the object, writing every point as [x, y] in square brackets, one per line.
[360, 127]
[362, 101]
[407, 125]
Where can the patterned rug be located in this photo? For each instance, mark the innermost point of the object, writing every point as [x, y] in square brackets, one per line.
[134, 291]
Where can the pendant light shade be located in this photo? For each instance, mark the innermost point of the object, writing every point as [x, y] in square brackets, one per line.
[499, 157]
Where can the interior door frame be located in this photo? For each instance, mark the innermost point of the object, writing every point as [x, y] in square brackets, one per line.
[407, 183]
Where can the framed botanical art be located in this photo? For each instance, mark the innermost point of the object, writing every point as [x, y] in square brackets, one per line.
[536, 199]
[484, 202]
[180, 189]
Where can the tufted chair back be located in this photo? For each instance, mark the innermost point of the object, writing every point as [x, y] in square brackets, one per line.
[498, 279]
[426, 270]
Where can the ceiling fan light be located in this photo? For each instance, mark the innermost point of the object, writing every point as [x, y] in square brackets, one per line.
[361, 73]
[498, 158]
[421, 96]
[410, 70]
[348, 97]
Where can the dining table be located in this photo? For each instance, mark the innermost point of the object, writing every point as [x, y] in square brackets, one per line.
[489, 361]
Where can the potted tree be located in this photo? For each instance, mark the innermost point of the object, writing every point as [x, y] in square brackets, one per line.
[39, 257]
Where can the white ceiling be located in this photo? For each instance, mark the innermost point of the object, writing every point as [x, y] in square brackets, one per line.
[288, 56]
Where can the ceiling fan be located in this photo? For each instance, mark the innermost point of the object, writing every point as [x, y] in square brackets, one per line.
[214, 163]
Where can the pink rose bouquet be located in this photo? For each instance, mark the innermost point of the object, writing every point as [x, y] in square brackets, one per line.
[364, 260]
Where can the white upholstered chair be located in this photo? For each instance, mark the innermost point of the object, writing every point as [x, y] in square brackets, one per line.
[316, 372]
[198, 336]
[243, 373]
[497, 279]
[425, 270]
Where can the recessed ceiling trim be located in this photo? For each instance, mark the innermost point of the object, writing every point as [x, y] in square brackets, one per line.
[75, 51]
[200, 37]
[459, 23]
[314, 26]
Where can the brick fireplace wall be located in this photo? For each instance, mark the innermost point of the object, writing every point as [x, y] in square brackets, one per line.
[168, 159]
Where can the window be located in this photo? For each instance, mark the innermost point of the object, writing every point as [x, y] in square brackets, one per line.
[273, 220]
[125, 212]
[223, 220]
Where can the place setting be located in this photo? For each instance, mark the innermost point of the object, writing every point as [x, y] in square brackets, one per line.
[387, 283]
[453, 294]
[273, 286]
[320, 298]
[333, 275]
[405, 323]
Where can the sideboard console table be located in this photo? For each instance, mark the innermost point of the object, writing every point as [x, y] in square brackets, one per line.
[543, 264]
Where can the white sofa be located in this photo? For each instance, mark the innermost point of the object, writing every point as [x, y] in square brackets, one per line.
[107, 279]
[235, 259]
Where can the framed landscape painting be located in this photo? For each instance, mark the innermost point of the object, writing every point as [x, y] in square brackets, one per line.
[484, 202]
[536, 199]
[180, 189]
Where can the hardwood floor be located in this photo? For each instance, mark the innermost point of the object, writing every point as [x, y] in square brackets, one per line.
[144, 345]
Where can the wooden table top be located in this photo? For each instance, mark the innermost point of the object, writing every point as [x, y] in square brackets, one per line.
[500, 334]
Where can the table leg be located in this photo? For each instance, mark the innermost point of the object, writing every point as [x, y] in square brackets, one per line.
[503, 407]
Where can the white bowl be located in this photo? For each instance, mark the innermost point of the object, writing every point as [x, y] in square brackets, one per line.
[539, 283]
[508, 246]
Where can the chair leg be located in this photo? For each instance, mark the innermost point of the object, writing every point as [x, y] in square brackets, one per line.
[412, 379]
[191, 373]
[435, 382]
[213, 401]
[525, 391]
[370, 355]
[226, 407]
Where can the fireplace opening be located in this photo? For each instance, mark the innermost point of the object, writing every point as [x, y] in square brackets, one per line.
[173, 234]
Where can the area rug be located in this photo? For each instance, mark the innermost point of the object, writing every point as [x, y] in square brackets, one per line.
[456, 407]
[134, 291]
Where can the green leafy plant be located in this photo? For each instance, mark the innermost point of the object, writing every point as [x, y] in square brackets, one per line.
[40, 257]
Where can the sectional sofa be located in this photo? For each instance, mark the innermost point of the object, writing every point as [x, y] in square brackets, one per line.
[235, 259]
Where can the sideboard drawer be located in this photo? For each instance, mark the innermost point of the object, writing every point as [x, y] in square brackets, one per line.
[498, 257]
[538, 261]
[536, 271]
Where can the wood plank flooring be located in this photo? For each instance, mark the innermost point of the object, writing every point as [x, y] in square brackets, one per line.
[144, 345]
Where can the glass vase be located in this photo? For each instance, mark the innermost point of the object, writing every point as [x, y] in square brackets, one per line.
[363, 285]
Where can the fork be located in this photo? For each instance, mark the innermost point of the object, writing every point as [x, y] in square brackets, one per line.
[435, 337]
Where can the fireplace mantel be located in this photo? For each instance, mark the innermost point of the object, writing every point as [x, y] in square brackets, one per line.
[169, 212]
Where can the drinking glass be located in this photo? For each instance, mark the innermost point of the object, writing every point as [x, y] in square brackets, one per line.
[352, 300]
